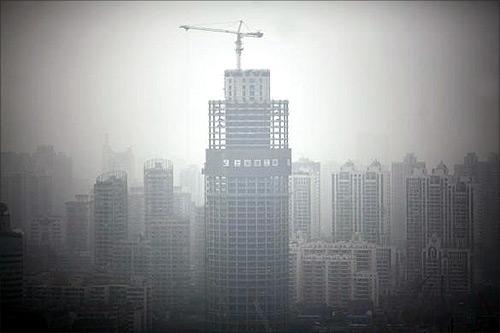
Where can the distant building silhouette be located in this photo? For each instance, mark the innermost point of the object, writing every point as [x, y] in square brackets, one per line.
[191, 181]
[46, 241]
[35, 184]
[110, 216]
[77, 224]
[168, 234]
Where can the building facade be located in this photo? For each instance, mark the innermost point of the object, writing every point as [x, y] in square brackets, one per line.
[399, 172]
[246, 213]
[77, 224]
[439, 231]
[305, 205]
[359, 206]
[485, 176]
[336, 273]
[110, 216]
[136, 212]
[158, 192]
[168, 234]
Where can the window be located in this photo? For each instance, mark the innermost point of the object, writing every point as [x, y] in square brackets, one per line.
[237, 163]
[275, 162]
[256, 163]
[225, 163]
[267, 162]
[288, 162]
[247, 163]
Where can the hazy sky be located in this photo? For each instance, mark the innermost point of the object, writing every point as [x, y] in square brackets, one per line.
[364, 79]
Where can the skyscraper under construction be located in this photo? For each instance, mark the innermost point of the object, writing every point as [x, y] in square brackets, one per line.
[246, 186]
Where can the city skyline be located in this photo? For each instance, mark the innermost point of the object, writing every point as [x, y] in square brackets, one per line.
[350, 179]
[366, 69]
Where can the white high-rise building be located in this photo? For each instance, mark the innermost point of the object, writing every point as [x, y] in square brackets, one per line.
[327, 169]
[359, 207]
[305, 202]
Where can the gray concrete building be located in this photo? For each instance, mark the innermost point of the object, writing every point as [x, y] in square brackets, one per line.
[246, 180]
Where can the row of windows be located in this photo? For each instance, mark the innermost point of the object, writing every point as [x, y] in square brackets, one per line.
[256, 163]
[251, 80]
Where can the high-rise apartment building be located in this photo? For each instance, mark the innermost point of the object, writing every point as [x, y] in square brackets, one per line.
[158, 192]
[197, 252]
[45, 244]
[485, 175]
[35, 184]
[77, 223]
[132, 259]
[136, 212]
[327, 169]
[170, 264]
[110, 216]
[399, 172]
[305, 202]
[47, 231]
[246, 180]
[168, 235]
[183, 205]
[359, 206]
[439, 230]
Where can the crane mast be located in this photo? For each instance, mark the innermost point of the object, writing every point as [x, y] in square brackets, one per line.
[239, 37]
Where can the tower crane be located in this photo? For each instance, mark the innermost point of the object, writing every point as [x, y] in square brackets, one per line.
[239, 37]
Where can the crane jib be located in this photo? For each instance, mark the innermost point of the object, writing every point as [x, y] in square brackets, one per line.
[239, 35]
